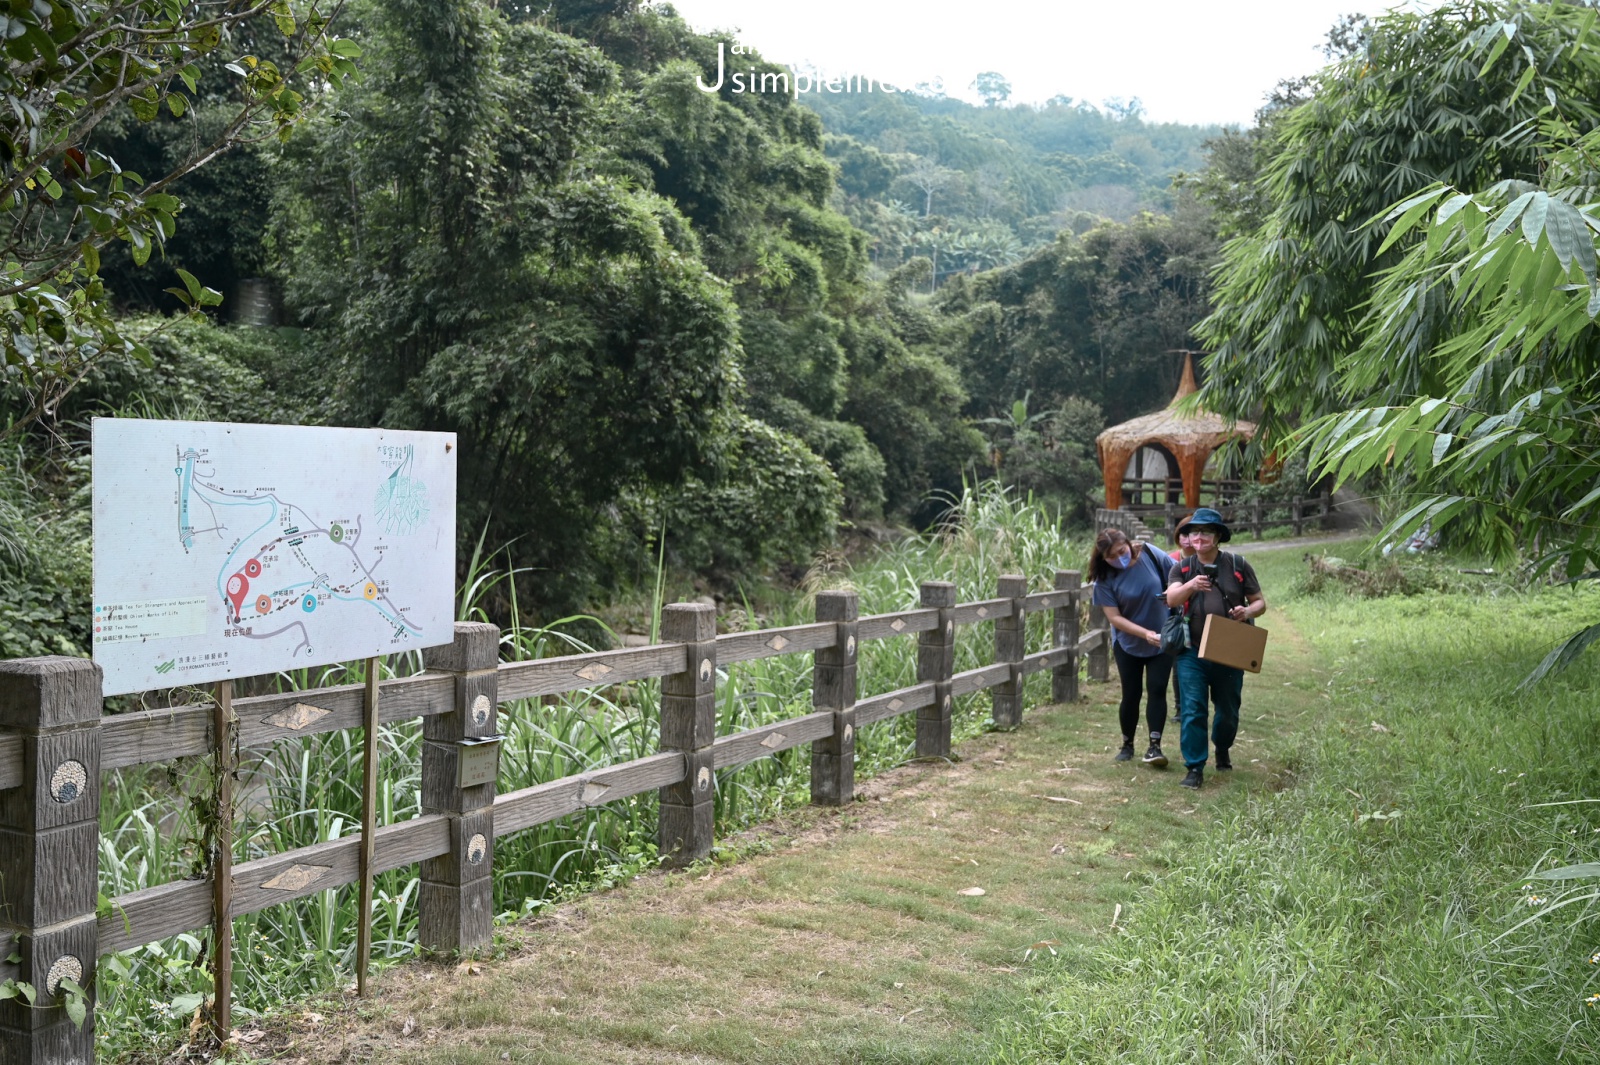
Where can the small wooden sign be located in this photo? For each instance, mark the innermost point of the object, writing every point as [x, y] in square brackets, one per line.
[1233, 643]
[478, 761]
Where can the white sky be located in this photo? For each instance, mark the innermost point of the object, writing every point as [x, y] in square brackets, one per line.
[1195, 61]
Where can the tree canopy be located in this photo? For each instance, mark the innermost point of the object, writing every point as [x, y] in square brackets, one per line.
[72, 68]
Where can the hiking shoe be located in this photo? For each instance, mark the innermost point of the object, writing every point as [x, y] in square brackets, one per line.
[1193, 779]
[1126, 754]
[1154, 757]
[1223, 761]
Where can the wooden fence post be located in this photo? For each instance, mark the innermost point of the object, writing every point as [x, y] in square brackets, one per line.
[1100, 653]
[936, 660]
[50, 852]
[1010, 635]
[456, 901]
[1064, 678]
[689, 724]
[833, 687]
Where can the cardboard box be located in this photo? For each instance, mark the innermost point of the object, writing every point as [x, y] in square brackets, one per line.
[1233, 643]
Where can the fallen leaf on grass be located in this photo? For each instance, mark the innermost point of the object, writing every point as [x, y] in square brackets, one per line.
[409, 1027]
[1376, 727]
[913, 1013]
[1058, 849]
[1040, 947]
[469, 968]
[1058, 798]
[1115, 917]
[972, 892]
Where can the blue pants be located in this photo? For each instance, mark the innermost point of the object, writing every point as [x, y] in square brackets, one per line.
[1198, 680]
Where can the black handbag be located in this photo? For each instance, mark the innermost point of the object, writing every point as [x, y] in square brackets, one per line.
[1175, 632]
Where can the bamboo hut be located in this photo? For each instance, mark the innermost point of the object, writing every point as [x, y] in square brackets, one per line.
[1167, 440]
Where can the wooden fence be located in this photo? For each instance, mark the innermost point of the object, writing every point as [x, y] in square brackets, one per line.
[1161, 520]
[56, 742]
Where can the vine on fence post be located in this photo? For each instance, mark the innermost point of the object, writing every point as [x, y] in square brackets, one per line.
[220, 849]
[49, 852]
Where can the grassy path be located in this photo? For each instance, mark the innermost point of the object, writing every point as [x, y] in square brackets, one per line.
[838, 935]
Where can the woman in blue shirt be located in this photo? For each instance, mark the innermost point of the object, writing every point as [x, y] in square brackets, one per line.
[1130, 585]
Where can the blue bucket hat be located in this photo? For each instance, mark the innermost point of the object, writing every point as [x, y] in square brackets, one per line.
[1207, 516]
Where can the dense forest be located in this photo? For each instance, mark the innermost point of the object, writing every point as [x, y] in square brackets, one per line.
[714, 325]
[717, 327]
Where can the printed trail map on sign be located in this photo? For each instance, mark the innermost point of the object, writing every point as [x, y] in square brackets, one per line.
[225, 550]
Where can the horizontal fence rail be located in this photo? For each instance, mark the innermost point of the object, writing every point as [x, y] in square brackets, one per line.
[55, 742]
[1241, 517]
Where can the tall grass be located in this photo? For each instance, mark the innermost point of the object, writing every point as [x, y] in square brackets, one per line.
[1371, 911]
[300, 793]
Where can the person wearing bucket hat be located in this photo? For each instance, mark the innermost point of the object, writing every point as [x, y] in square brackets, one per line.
[1211, 581]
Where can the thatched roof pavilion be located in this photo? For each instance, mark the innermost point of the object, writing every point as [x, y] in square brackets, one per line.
[1187, 439]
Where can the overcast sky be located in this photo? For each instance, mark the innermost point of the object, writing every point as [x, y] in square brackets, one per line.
[1196, 61]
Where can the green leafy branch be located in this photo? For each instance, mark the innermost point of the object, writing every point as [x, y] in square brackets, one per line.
[74, 999]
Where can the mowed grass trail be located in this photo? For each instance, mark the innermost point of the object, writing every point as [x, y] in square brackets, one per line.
[842, 935]
[1386, 908]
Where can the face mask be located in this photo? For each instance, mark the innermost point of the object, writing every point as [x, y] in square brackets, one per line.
[1122, 562]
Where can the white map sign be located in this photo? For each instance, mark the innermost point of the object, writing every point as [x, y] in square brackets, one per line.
[224, 550]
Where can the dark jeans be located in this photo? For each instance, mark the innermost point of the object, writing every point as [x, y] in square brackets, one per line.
[1139, 676]
[1224, 685]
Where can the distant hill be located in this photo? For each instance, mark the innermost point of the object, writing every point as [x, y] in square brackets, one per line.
[975, 187]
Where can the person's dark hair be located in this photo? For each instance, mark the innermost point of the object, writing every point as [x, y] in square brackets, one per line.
[1106, 542]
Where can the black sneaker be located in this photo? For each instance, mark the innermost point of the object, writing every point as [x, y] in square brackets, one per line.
[1154, 757]
[1193, 779]
[1126, 754]
[1224, 763]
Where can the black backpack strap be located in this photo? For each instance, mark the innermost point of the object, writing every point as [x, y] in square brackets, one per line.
[1183, 571]
[1232, 569]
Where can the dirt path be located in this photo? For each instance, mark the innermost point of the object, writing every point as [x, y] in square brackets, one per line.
[836, 936]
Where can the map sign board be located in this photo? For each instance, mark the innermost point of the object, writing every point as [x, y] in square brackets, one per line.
[225, 550]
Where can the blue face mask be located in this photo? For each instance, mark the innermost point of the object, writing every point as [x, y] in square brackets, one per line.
[1122, 561]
